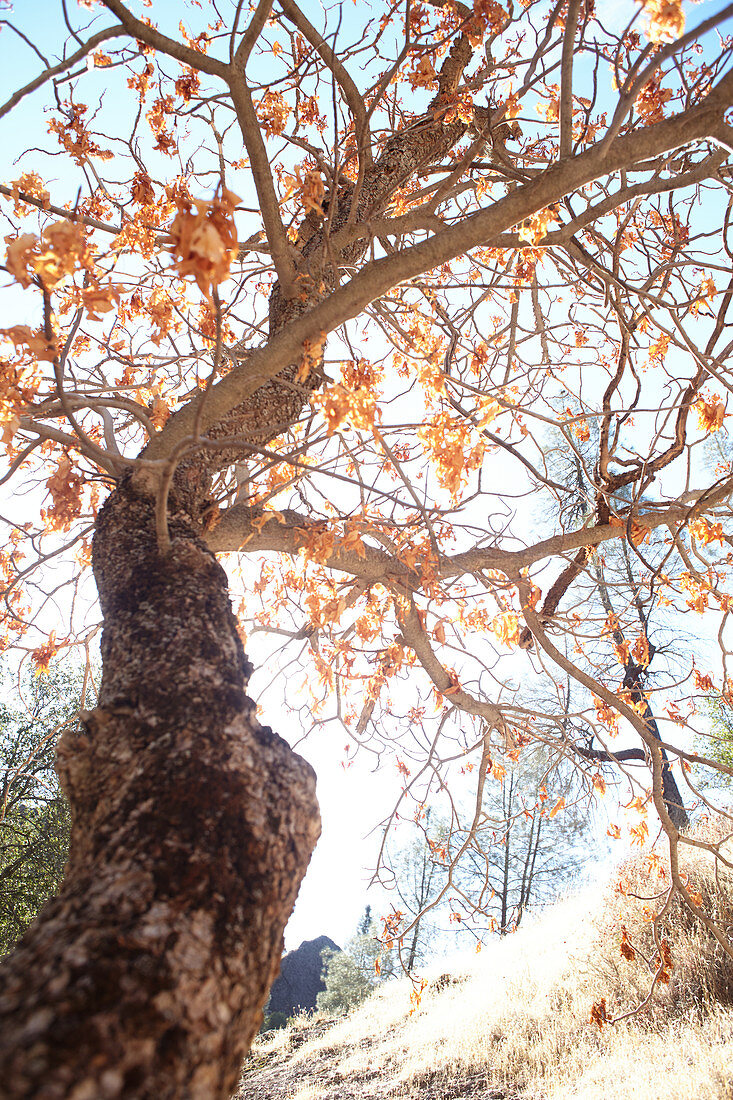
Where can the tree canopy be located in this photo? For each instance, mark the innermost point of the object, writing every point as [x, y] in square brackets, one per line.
[298, 302]
[34, 816]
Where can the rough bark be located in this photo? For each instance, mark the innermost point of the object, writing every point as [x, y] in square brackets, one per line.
[192, 828]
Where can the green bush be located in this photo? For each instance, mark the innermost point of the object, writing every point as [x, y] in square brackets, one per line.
[351, 975]
[34, 817]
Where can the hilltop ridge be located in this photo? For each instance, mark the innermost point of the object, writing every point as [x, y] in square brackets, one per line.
[515, 1024]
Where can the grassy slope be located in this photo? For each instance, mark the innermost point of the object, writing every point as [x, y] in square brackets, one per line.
[516, 1022]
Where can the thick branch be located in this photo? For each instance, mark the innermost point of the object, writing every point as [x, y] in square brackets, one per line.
[374, 280]
[418, 641]
[242, 528]
[605, 756]
[566, 83]
[262, 176]
[152, 37]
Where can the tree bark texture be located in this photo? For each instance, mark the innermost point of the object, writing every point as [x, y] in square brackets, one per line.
[192, 828]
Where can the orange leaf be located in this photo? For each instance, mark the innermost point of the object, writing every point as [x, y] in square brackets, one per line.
[205, 242]
[99, 300]
[638, 804]
[41, 657]
[42, 349]
[598, 1013]
[18, 257]
[64, 486]
[506, 627]
[710, 414]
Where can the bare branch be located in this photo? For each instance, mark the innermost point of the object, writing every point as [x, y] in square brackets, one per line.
[63, 66]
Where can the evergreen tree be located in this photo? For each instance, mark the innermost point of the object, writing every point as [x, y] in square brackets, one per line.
[365, 923]
[352, 974]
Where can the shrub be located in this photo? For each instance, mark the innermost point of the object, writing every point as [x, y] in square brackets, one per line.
[646, 938]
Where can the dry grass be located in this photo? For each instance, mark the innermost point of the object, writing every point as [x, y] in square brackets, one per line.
[517, 1023]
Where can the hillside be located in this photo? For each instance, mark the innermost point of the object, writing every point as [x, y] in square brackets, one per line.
[514, 1021]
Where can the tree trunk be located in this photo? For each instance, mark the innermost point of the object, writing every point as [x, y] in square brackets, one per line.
[533, 843]
[670, 791]
[192, 828]
[508, 804]
[634, 682]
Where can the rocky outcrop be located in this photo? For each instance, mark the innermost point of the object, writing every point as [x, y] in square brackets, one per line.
[300, 979]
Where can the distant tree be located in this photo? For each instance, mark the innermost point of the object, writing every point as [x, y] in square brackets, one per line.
[418, 870]
[525, 850]
[34, 814]
[34, 843]
[352, 974]
[365, 923]
[521, 845]
[346, 985]
[273, 1021]
[715, 741]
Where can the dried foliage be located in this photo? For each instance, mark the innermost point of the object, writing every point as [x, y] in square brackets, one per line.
[419, 317]
[689, 970]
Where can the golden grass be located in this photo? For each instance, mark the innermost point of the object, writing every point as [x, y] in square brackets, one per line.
[517, 1023]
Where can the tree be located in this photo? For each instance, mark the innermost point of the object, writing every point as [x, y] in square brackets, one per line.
[520, 856]
[629, 597]
[34, 815]
[33, 851]
[352, 974]
[481, 877]
[365, 923]
[346, 985]
[716, 740]
[455, 225]
[417, 877]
